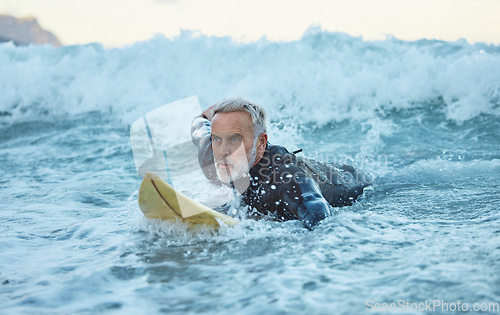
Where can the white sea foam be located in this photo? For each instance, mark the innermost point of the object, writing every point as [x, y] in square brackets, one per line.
[321, 78]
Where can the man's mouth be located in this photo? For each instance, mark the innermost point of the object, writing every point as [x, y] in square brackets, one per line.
[223, 164]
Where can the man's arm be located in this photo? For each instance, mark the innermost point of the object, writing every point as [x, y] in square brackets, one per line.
[201, 137]
[313, 207]
[201, 129]
[303, 197]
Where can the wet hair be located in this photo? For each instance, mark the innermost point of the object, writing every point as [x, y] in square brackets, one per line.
[256, 112]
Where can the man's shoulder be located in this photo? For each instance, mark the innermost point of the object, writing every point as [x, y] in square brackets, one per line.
[278, 163]
[277, 149]
[275, 156]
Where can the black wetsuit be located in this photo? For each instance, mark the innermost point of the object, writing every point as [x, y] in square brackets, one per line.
[285, 186]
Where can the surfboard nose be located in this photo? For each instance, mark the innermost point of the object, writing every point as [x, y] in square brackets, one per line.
[151, 176]
[157, 199]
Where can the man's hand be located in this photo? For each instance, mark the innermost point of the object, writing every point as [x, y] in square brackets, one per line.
[208, 113]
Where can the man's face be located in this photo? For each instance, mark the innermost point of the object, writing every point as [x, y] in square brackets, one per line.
[233, 145]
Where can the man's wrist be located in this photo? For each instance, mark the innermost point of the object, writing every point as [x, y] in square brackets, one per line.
[208, 113]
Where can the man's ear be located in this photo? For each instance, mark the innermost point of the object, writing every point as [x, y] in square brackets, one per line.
[261, 144]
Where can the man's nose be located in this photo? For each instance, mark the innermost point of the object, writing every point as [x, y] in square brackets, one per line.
[226, 149]
[229, 147]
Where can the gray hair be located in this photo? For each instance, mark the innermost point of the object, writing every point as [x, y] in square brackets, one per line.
[256, 112]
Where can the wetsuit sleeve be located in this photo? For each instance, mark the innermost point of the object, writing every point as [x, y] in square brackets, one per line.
[303, 197]
[201, 137]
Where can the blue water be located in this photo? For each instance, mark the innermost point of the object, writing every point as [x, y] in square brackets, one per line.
[421, 117]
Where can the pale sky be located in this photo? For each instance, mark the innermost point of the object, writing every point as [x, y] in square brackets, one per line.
[123, 22]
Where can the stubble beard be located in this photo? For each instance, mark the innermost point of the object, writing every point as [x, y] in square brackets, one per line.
[237, 169]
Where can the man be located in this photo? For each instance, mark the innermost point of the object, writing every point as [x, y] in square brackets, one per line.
[233, 150]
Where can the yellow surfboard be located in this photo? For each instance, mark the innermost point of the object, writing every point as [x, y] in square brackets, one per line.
[157, 199]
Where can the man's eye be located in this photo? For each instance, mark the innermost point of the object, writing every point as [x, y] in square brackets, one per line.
[236, 139]
[215, 139]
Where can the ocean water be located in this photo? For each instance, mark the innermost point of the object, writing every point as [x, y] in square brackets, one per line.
[421, 117]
